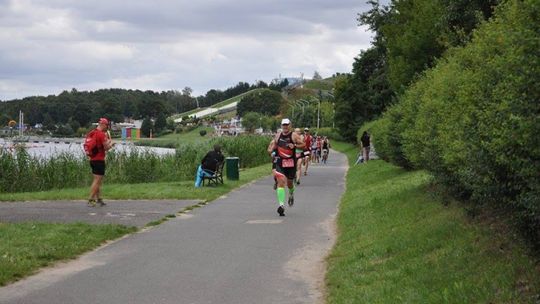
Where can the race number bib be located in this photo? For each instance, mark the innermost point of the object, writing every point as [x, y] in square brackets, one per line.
[287, 163]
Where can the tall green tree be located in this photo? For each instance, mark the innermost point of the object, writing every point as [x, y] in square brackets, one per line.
[251, 121]
[146, 126]
[267, 102]
[161, 123]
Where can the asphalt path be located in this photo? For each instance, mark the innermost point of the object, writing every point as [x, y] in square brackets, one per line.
[129, 213]
[234, 250]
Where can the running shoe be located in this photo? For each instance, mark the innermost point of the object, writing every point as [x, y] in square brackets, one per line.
[281, 211]
[91, 203]
[101, 202]
[298, 182]
[291, 200]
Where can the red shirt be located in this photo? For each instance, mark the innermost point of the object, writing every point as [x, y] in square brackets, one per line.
[307, 140]
[101, 138]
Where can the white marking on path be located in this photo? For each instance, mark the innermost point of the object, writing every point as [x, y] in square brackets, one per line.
[264, 222]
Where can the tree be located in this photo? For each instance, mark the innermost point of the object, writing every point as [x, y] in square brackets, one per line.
[161, 123]
[146, 126]
[317, 76]
[251, 121]
[266, 102]
[187, 91]
[83, 114]
[48, 122]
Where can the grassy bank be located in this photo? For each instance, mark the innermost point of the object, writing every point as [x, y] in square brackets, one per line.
[399, 244]
[165, 190]
[175, 140]
[26, 247]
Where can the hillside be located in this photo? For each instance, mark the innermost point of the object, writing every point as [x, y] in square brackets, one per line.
[221, 107]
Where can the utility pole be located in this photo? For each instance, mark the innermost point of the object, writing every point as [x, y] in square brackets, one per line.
[333, 115]
[21, 123]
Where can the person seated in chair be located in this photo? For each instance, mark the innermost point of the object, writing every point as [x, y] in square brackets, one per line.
[209, 164]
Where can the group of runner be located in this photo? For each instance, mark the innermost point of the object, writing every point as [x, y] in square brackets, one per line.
[291, 151]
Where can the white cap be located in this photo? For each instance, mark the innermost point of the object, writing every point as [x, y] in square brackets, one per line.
[285, 121]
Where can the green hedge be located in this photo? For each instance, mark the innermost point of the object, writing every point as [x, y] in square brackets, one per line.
[474, 119]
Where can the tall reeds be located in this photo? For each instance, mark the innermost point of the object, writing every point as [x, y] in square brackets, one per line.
[20, 172]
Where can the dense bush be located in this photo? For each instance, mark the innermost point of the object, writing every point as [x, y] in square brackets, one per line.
[474, 119]
[20, 172]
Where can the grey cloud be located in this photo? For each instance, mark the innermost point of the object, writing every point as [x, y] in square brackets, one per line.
[50, 44]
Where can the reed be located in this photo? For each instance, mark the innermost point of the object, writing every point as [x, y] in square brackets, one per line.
[20, 172]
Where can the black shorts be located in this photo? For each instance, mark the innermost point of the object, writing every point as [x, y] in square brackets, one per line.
[98, 167]
[290, 173]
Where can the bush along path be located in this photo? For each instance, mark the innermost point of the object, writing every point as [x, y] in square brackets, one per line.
[398, 243]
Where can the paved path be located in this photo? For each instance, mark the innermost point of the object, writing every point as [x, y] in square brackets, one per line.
[129, 213]
[234, 250]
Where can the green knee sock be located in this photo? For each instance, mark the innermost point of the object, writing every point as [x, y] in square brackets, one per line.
[281, 196]
[291, 190]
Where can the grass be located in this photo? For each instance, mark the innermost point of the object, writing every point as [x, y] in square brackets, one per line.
[236, 98]
[219, 104]
[175, 140]
[26, 247]
[399, 244]
[165, 190]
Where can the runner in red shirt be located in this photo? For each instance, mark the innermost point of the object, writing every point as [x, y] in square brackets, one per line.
[307, 140]
[102, 144]
[319, 146]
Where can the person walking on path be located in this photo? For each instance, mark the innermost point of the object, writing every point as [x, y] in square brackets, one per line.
[209, 164]
[366, 142]
[97, 143]
[282, 148]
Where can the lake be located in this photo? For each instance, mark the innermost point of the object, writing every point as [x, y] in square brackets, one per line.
[46, 150]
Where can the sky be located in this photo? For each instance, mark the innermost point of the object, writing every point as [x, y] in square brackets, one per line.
[47, 46]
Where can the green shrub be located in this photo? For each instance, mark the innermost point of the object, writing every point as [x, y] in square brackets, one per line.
[474, 119]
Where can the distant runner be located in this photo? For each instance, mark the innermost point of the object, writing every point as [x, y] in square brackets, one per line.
[325, 149]
[282, 148]
[314, 149]
[299, 155]
[307, 154]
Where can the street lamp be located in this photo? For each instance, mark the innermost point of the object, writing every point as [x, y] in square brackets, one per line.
[333, 110]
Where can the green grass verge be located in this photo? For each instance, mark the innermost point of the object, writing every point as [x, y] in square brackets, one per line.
[175, 140]
[174, 190]
[219, 104]
[399, 244]
[26, 247]
[236, 98]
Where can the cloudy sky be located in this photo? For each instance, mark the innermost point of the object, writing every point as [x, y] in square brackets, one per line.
[47, 46]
